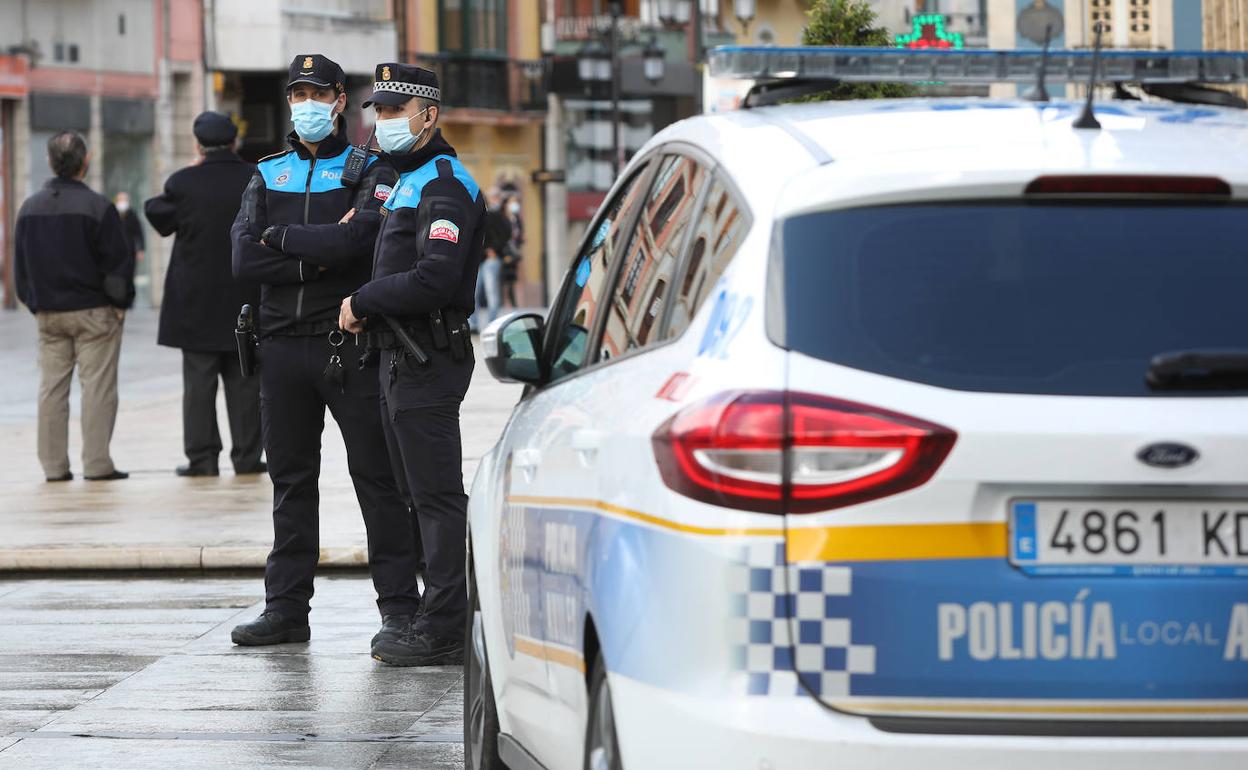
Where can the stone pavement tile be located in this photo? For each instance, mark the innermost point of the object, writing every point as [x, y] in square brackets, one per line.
[132, 594]
[88, 719]
[61, 752]
[447, 715]
[22, 721]
[90, 662]
[44, 700]
[150, 638]
[425, 756]
[310, 699]
[58, 680]
[335, 664]
[198, 616]
[169, 676]
[7, 742]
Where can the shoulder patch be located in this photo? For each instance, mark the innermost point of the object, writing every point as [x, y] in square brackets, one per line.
[382, 192]
[444, 230]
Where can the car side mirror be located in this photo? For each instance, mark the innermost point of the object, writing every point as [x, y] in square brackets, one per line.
[512, 347]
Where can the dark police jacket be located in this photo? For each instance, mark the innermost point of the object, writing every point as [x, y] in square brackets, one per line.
[71, 251]
[431, 239]
[202, 298]
[318, 261]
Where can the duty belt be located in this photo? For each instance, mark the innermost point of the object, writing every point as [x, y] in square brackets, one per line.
[303, 329]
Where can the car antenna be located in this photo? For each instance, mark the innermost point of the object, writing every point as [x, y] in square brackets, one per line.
[1040, 93]
[1088, 119]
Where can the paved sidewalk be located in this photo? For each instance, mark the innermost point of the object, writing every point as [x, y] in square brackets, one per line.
[139, 673]
[155, 519]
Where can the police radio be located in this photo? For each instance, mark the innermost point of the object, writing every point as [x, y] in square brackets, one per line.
[356, 161]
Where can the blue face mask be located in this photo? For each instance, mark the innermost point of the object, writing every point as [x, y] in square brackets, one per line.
[313, 120]
[395, 135]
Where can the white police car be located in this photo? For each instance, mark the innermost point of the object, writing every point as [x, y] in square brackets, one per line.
[883, 434]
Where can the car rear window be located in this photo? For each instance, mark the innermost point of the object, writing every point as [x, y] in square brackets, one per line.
[1068, 299]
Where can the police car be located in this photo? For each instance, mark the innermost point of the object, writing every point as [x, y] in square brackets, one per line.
[887, 434]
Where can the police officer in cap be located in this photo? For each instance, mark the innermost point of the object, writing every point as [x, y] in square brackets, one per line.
[416, 308]
[308, 239]
[202, 298]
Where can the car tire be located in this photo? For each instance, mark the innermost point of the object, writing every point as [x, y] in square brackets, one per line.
[480, 711]
[602, 747]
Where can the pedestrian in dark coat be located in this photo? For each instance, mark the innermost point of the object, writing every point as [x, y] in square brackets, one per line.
[202, 299]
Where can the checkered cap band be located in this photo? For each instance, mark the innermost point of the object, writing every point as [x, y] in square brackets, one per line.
[409, 89]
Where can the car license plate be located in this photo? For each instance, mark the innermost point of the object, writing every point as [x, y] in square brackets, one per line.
[1130, 536]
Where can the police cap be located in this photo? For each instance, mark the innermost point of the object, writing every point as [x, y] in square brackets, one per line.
[394, 84]
[317, 70]
[212, 129]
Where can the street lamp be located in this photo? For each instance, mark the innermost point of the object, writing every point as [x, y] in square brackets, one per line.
[653, 62]
[590, 64]
[744, 9]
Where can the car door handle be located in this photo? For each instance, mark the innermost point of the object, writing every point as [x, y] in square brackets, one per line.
[527, 460]
[586, 444]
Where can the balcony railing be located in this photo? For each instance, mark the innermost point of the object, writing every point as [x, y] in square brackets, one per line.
[482, 83]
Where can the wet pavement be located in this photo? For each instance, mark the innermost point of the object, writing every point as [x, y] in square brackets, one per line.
[155, 519]
[139, 672]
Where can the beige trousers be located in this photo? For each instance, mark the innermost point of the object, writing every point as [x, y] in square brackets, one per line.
[90, 339]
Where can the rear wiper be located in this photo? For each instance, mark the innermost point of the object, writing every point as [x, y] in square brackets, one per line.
[1199, 370]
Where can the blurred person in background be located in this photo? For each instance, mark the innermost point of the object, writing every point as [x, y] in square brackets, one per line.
[489, 277]
[74, 270]
[202, 299]
[514, 251]
[130, 222]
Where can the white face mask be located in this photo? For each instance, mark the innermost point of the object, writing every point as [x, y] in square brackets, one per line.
[123, 207]
[513, 208]
[395, 134]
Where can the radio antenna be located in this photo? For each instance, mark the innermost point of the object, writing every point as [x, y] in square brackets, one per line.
[1040, 93]
[1088, 119]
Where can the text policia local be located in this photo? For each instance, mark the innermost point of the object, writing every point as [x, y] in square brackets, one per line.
[1077, 630]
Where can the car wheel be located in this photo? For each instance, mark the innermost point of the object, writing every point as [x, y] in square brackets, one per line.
[480, 712]
[602, 750]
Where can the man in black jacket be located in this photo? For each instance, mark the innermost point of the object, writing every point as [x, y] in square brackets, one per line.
[75, 271]
[424, 276]
[308, 239]
[202, 299]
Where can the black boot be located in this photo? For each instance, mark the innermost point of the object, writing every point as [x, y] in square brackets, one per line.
[194, 471]
[393, 627]
[418, 648]
[271, 628]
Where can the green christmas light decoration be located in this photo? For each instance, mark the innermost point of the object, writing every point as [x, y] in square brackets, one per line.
[929, 31]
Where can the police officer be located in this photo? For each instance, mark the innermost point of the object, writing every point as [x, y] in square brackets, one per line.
[308, 240]
[202, 298]
[416, 309]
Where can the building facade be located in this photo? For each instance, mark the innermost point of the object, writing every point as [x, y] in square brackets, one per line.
[488, 60]
[122, 72]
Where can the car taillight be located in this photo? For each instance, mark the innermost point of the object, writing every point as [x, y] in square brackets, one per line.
[779, 452]
[1129, 184]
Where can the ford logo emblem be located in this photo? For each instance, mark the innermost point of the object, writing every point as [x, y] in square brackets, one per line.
[1168, 455]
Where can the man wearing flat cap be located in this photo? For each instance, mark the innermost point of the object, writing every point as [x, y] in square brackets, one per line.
[420, 297]
[202, 299]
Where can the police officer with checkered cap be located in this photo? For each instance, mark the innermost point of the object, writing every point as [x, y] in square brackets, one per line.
[424, 276]
[307, 237]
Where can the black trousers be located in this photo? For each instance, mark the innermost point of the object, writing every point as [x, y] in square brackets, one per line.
[294, 395]
[200, 438]
[420, 409]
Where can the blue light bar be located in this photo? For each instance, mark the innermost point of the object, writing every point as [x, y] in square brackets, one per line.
[973, 66]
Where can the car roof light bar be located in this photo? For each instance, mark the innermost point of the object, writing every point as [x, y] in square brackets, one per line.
[974, 66]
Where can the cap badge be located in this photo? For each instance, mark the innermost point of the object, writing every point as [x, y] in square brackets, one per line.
[307, 62]
[385, 73]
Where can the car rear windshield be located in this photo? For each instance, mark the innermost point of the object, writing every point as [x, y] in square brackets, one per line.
[1070, 298]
